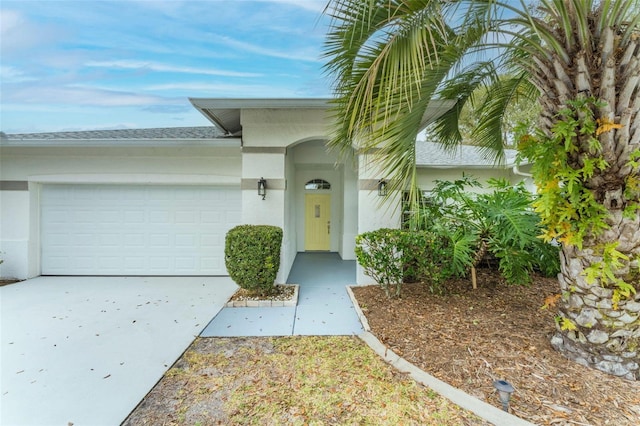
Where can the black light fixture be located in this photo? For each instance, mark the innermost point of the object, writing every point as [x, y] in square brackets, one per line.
[382, 188]
[262, 188]
[505, 390]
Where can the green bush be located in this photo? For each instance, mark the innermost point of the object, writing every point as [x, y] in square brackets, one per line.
[394, 256]
[426, 259]
[381, 255]
[252, 256]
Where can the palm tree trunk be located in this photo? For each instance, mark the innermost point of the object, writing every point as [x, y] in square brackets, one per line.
[606, 336]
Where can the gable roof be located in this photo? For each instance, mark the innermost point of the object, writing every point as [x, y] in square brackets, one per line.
[225, 112]
[431, 154]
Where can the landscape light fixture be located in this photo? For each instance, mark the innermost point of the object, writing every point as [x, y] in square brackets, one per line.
[382, 188]
[505, 390]
[262, 188]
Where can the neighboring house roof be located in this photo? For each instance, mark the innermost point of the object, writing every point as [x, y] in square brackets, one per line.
[225, 112]
[123, 137]
[430, 154]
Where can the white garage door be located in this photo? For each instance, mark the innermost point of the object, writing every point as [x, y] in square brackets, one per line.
[135, 229]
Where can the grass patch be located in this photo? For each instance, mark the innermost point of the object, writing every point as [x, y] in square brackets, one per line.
[291, 380]
[329, 380]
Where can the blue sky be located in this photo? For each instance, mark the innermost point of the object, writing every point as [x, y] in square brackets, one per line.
[101, 64]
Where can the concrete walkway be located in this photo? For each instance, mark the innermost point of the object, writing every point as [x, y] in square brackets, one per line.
[324, 306]
[86, 350]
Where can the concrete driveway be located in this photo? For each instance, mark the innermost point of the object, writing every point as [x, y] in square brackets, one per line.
[86, 350]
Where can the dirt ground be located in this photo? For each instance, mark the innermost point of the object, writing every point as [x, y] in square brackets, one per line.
[470, 338]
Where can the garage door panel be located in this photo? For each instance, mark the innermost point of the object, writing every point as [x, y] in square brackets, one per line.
[135, 229]
[159, 217]
[210, 241]
[210, 217]
[109, 216]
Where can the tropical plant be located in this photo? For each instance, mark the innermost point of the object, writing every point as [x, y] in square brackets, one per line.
[500, 222]
[391, 58]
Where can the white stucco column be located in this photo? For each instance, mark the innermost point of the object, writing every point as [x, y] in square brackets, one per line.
[14, 232]
[372, 212]
[268, 163]
[350, 213]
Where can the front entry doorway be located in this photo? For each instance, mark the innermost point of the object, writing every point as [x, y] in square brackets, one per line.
[317, 222]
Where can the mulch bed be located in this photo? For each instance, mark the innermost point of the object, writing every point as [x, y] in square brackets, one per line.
[469, 338]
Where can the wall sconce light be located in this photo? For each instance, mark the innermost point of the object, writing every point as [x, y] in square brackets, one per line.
[382, 188]
[262, 188]
[505, 390]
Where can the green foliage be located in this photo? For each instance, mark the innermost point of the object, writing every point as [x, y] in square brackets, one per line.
[456, 229]
[501, 222]
[252, 256]
[565, 165]
[566, 204]
[426, 257]
[390, 256]
[389, 59]
[380, 254]
[503, 107]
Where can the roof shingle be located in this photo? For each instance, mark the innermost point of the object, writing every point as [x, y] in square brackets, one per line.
[204, 132]
[430, 154]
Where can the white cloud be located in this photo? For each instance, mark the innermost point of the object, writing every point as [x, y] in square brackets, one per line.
[10, 74]
[18, 33]
[310, 5]
[307, 55]
[226, 89]
[86, 96]
[159, 67]
[9, 20]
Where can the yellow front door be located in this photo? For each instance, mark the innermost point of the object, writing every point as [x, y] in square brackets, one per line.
[317, 221]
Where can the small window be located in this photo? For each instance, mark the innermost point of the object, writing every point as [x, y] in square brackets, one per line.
[427, 202]
[317, 184]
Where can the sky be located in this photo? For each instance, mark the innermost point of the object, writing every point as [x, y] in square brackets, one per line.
[68, 65]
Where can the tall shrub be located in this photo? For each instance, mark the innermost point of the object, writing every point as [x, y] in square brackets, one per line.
[252, 256]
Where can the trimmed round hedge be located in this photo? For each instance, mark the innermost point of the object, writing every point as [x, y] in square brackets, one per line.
[252, 256]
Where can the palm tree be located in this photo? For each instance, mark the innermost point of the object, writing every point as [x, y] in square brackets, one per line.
[580, 59]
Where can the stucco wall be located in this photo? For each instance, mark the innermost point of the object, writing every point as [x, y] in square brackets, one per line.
[282, 127]
[19, 209]
[23, 163]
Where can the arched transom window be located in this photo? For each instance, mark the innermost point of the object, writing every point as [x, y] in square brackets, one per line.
[317, 184]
